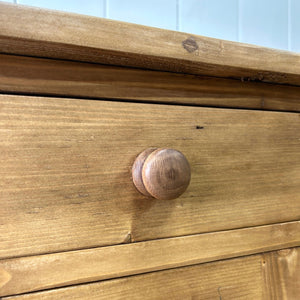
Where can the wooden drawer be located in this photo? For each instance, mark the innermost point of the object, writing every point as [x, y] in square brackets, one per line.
[270, 275]
[34, 273]
[66, 181]
[80, 102]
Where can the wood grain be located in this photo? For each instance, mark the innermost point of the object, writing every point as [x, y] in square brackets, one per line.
[26, 75]
[65, 180]
[282, 274]
[37, 32]
[34, 273]
[166, 174]
[239, 278]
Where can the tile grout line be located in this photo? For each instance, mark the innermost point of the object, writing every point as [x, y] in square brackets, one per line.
[177, 15]
[289, 25]
[239, 21]
[105, 8]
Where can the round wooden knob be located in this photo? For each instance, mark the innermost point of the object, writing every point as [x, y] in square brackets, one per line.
[161, 173]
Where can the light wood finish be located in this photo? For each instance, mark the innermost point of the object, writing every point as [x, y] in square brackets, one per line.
[230, 279]
[28, 274]
[37, 32]
[163, 173]
[65, 180]
[282, 274]
[66, 165]
[240, 278]
[26, 75]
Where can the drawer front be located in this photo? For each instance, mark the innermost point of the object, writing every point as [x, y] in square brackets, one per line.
[37, 76]
[231, 279]
[66, 172]
[39, 272]
[272, 275]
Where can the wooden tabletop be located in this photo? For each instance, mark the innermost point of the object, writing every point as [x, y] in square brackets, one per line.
[53, 34]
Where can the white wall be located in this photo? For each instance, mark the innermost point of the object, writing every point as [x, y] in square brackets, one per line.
[271, 23]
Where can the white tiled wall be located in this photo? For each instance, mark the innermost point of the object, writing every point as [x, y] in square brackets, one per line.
[157, 13]
[294, 25]
[271, 23]
[87, 7]
[213, 18]
[264, 22]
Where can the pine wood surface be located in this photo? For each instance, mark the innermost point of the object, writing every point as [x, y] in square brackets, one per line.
[66, 172]
[27, 75]
[37, 32]
[34, 273]
[267, 276]
[65, 184]
[282, 274]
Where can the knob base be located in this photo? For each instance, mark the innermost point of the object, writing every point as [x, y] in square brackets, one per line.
[137, 169]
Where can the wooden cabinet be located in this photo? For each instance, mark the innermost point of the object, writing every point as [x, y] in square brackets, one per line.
[81, 97]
